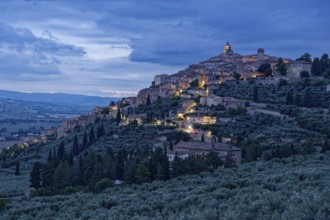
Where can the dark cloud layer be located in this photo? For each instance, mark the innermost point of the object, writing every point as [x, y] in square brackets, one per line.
[182, 32]
[155, 36]
[21, 52]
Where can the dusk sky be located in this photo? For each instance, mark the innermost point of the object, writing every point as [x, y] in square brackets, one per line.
[116, 47]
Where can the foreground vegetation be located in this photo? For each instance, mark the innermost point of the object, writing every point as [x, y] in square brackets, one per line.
[290, 188]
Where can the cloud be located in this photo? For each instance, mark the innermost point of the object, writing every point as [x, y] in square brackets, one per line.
[21, 52]
[116, 47]
[184, 32]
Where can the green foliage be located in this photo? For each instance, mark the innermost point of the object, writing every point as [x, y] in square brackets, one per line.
[326, 74]
[289, 98]
[102, 184]
[266, 69]
[92, 135]
[305, 57]
[324, 62]
[237, 76]
[2, 203]
[325, 146]
[281, 67]
[255, 94]
[308, 148]
[304, 74]
[316, 68]
[282, 82]
[105, 111]
[290, 188]
[236, 111]
[35, 176]
[118, 116]
[61, 151]
[75, 147]
[100, 131]
[142, 174]
[251, 150]
[84, 142]
[194, 84]
[7, 154]
[277, 94]
[148, 100]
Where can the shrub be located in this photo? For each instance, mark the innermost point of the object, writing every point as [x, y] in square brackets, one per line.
[103, 184]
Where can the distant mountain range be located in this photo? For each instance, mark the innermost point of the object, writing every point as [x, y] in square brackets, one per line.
[58, 98]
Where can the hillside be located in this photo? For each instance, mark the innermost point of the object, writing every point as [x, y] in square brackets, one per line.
[58, 98]
[292, 188]
[236, 148]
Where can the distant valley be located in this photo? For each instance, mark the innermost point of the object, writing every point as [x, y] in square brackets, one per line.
[59, 98]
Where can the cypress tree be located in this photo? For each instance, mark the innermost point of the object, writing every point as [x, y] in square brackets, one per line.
[91, 135]
[255, 94]
[61, 151]
[100, 131]
[130, 172]
[176, 165]
[142, 174]
[298, 100]
[35, 175]
[289, 97]
[281, 67]
[148, 100]
[118, 116]
[47, 174]
[50, 156]
[166, 165]
[171, 145]
[84, 142]
[120, 163]
[213, 160]
[324, 63]
[316, 67]
[75, 146]
[54, 154]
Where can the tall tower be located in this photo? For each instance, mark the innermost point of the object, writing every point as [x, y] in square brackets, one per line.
[261, 54]
[227, 49]
[202, 79]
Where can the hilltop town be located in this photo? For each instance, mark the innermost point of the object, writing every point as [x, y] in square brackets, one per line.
[222, 68]
[196, 89]
[230, 111]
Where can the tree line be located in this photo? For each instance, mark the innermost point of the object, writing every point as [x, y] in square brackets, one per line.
[83, 169]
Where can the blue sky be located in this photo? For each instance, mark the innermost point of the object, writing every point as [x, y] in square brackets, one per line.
[116, 47]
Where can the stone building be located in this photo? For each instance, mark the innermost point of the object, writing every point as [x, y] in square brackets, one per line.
[296, 67]
[142, 96]
[160, 79]
[71, 124]
[185, 149]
